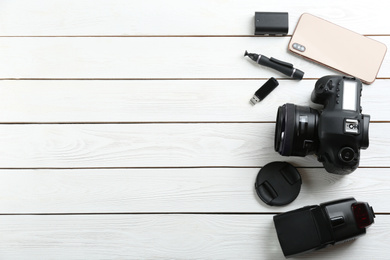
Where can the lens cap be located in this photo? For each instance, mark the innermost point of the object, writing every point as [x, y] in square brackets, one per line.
[278, 183]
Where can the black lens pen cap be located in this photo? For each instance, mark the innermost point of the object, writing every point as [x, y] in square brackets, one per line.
[278, 183]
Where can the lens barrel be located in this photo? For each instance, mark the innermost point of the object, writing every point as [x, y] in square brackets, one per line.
[296, 130]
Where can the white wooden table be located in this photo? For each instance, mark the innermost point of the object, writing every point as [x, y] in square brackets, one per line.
[126, 131]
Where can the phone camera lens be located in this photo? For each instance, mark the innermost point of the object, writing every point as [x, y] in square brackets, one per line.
[299, 47]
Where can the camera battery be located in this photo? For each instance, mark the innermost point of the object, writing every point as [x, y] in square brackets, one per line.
[271, 23]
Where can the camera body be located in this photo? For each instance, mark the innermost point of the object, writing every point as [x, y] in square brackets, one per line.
[314, 227]
[336, 134]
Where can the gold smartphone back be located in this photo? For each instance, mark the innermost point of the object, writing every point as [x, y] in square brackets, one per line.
[338, 48]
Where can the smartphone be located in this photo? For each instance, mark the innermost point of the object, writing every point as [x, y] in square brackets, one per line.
[338, 48]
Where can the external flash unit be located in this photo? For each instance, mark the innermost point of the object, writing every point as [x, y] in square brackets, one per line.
[314, 227]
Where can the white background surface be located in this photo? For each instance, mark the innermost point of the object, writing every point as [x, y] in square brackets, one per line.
[126, 130]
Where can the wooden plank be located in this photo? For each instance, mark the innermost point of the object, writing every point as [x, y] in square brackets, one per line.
[151, 57]
[175, 190]
[166, 236]
[194, 17]
[158, 145]
[88, 192]
[161, 100]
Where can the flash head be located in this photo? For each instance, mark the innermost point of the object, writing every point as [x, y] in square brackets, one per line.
[314, 227]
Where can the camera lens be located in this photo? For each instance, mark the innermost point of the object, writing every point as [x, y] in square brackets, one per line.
[296, 130]
[347, 154]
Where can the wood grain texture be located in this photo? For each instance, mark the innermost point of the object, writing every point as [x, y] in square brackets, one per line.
[194, 17]
[219, 190]
[165, 236]
[146, 57]
[158, 145]
[161, 100]
[172, 116]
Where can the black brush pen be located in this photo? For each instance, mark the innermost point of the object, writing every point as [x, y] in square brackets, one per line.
[281, 66]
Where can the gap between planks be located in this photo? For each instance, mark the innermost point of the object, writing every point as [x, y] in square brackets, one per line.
[158, 36]
[156, 79]
[151, 123]
[172, 167]
[155, 213]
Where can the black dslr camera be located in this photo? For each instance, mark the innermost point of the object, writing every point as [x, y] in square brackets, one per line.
[315, 227]
[336, 134]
